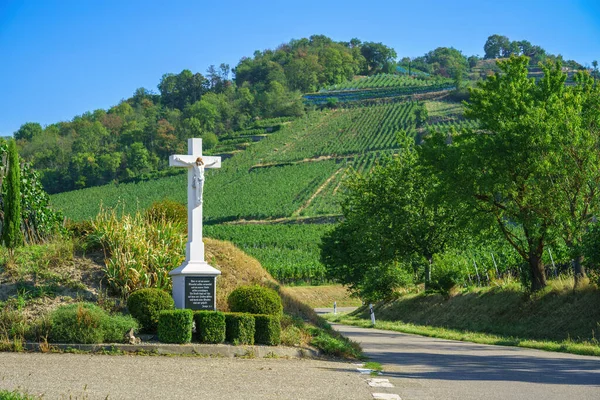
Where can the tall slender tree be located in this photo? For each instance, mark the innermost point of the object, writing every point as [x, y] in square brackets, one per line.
[12, 235]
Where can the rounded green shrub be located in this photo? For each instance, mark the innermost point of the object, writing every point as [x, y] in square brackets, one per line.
[255, 300]
[87, 323]
[145, 305]
[210, 326]
[175, 326]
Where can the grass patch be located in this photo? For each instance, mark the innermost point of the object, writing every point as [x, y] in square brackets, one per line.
[16, 395]
[375, 366]
[567, 346]
[333, 344]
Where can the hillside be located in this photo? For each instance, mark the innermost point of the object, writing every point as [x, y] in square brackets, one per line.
[56, 273]
[559, 313]
[293, 174]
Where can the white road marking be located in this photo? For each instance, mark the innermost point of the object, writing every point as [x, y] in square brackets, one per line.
[378, 382]
[386, 396]
[364, 370]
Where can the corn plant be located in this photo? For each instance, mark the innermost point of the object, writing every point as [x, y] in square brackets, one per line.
[138, 253]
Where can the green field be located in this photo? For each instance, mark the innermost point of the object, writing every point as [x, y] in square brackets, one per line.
[272, 178]
[290, 252]
[382, 81]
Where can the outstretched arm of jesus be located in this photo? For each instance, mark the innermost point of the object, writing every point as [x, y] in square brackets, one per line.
[183, 161]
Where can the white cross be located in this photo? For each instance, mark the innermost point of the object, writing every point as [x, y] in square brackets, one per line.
[195, 163]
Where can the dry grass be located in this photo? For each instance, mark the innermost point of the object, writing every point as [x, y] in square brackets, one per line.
[443, 109]
[237, 269]
[324, 296]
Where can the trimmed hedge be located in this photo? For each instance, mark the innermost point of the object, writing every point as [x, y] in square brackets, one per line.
[210, 326]
[240, 328]
[175, 326]
[88, 324]
[145, 305]
[268, 330]
[255, 300]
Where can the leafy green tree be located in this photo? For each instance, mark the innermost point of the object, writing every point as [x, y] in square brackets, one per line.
[28, 131]
[534, 163]
[138, 158]
[525, 48]
[204, 112]
[445, 61]
[12, 236]
[303, 73]
[496, 46]
[473, 61]
[182, 89]
[378, 57]
[391, 215]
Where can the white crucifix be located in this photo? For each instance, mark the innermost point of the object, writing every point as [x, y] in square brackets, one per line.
[194, 279]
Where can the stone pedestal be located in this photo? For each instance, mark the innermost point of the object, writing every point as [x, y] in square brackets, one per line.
[195, 286]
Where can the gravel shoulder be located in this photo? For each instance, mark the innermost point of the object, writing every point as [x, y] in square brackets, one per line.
[86, 376]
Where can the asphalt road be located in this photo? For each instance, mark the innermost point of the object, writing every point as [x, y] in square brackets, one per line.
[81, 376]
[423, 368]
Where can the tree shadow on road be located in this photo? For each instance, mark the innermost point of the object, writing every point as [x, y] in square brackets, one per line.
[428, 358]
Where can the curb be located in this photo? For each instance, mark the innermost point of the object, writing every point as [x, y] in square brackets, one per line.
[206, 350]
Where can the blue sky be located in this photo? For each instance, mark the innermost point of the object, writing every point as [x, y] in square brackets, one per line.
[62, 58]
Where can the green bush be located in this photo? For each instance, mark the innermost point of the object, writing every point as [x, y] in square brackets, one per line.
[87, 323]
[255, 300]
[210, 326]
[168, 210]
[268, 330]
[448, 270]
[145, 305]
[175, 326]
[240, 328]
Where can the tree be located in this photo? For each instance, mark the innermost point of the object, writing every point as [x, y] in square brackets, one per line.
[12, 236]
[472, 60]
[177, 91]
[496, 46]
[28, 131]
[533, 164]
[378, 57]
[392, 215]
[445, 61]
[525, 48]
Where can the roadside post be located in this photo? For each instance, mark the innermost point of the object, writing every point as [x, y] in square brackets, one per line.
[372, 314]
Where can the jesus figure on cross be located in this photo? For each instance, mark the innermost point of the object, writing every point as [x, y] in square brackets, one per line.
[198, 179]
